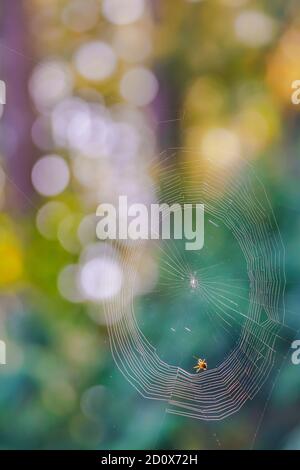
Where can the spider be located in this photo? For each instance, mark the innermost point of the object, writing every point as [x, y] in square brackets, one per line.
[201, 365]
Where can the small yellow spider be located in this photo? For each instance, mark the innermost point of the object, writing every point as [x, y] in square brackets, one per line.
[201, 365]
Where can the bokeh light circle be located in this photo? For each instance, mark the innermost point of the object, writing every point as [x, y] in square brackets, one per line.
[122, 12]
[50, 82]
[50, 175]
[100, 279]
[95, 60]
[139, 86]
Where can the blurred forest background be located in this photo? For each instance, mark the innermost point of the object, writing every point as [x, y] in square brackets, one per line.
[96, 90]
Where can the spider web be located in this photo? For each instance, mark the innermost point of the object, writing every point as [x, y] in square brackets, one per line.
[250, 310]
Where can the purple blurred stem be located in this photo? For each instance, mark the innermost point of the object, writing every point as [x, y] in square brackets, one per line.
[16, 65]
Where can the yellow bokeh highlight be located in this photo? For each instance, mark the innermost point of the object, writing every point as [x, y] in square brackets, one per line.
[11, 259]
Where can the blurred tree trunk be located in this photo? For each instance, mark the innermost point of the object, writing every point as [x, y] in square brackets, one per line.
[16, 65]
